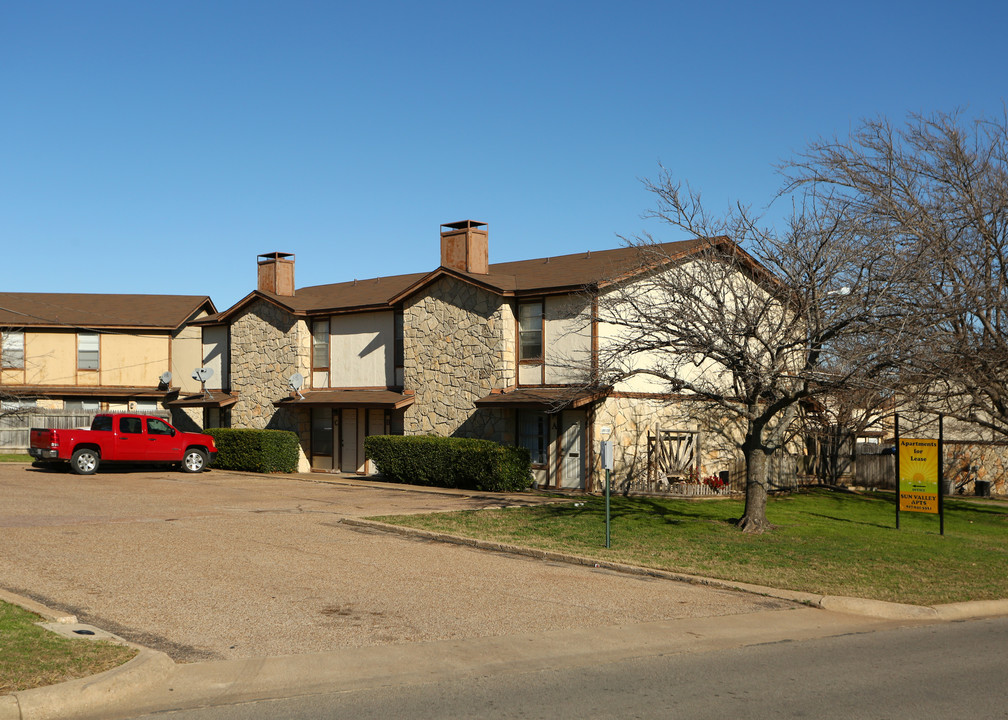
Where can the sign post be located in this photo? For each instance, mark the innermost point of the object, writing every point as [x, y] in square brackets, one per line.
[607, 463]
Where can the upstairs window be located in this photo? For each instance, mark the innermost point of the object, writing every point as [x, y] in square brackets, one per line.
[12, 350]
[87, 351]
[320, 345]
[530, 331]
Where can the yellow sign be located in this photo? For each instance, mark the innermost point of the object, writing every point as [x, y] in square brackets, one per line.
[918, 475]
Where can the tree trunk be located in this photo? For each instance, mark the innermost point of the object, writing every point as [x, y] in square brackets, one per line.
[754, 520]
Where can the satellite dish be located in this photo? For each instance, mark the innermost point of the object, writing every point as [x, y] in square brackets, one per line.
[296, 382]
[166, 377]
[202, 374]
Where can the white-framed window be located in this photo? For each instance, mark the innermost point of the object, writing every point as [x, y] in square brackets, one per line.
[87, 351]
[533, 434]
[81, 405]
[530, 331]
[15, 404]
[320, 345]
[12, 350]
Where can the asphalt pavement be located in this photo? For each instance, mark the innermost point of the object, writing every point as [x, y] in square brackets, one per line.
[239, 585]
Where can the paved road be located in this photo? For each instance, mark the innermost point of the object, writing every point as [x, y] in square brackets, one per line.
[949, 670]
[226, 565]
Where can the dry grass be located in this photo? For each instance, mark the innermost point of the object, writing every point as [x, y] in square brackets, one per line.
[31, 656]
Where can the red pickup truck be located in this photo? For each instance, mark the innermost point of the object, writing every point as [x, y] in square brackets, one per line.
[122, 438]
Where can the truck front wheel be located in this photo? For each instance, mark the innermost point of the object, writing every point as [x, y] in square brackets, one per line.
[194, 460]
[84, 461]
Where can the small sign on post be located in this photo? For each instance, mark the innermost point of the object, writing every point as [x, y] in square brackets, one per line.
[606, 456]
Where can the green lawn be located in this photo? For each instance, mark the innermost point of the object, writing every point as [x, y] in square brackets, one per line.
[829, 542]
[31, 656]
[9, 457]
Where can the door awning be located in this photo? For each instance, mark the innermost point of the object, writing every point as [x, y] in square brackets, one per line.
[347, 397]
[210, 398]
[549, 398]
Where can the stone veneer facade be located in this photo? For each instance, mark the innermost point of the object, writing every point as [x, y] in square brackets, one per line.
[633, 418]
[459, 344]
[268, 345]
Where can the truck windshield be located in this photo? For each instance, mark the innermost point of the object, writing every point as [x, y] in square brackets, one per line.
[102, 422]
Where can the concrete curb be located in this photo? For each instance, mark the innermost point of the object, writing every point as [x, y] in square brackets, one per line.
[851, 605]
[89, 697]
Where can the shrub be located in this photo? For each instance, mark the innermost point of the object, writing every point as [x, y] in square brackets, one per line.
[450, 462]
[262, 451]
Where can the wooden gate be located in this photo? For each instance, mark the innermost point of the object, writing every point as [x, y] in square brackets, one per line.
[673, 454]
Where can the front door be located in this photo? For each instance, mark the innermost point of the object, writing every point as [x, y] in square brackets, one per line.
[572, 450]
[348, 441]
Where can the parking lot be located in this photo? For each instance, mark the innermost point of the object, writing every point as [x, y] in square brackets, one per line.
[229, 565]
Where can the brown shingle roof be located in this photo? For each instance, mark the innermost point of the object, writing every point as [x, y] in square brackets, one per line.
[541, 275]
[86, 310]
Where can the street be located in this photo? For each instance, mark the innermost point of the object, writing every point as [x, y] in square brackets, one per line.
[952, 670]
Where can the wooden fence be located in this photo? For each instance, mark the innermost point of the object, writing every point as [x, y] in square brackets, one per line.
[15, 429]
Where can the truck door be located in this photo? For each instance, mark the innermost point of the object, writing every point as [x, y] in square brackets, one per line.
[129, 441]
[162, 442]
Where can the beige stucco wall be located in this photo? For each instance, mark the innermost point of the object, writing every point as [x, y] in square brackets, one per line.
[458, 343]
[567, 338]
[186, 356]
[360, 350]
[132, 359]
[50, 358]
[648, 293]
[214, 349]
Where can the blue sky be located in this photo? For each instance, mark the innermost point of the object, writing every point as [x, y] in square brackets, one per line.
[158, 147]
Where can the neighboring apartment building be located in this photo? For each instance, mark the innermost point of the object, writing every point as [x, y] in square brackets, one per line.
[499, 351]
[92, 352]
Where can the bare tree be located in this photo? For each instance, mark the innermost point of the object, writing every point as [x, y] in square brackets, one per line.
[936, 190]
[755, 331]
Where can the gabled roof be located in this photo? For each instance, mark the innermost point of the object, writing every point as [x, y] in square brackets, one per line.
[523, 277]
[561, 273]
[100, 311]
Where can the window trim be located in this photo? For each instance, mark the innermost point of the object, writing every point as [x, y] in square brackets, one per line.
[97, 339]
[540, 359]
[5, 336]
[316, 367]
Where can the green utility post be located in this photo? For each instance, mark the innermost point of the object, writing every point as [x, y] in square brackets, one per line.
[607, 463]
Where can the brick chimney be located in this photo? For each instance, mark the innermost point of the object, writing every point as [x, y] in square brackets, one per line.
[465, 246]
[276, 273]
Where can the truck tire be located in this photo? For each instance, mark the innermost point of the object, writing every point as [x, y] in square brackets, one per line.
[194, 460]
[84, 461]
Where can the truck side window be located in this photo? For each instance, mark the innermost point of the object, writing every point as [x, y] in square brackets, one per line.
[131, 425]
[102, 422]
[157, 427]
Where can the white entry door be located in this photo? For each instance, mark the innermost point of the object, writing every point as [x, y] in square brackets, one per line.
[572, 450]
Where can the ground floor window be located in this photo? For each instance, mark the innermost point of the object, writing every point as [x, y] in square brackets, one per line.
[216, 418]
[322, 431]
[533, 434]
[81, 405]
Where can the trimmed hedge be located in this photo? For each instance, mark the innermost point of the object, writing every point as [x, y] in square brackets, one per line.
[463, 463]
[264, 451]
